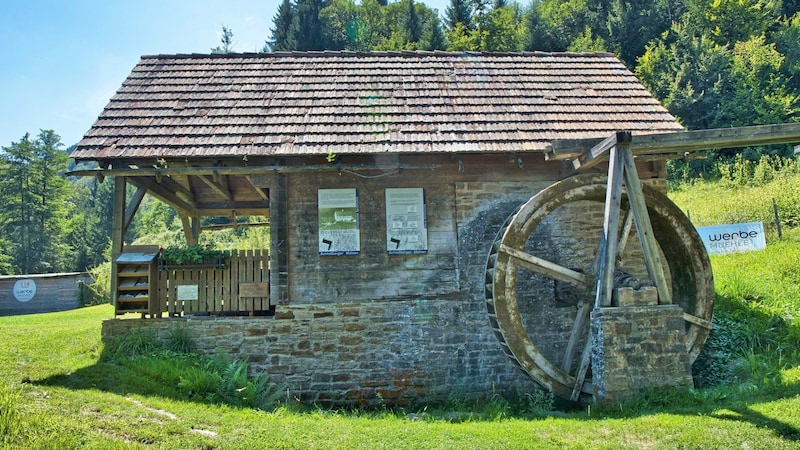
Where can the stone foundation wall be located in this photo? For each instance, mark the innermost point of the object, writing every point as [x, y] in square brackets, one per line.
[638, 347]
[392, 352]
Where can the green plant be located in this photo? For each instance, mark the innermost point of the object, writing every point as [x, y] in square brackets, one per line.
[226, 381]
[10, 416]
[191, 253]
[131, 345]
[178, 339]
[539, 401]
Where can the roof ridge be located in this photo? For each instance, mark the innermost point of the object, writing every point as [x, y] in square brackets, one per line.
[352, 53]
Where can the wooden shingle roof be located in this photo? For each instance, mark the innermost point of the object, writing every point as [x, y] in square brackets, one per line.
[316, 103]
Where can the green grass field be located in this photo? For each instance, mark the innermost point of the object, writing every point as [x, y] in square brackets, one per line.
[61, 389]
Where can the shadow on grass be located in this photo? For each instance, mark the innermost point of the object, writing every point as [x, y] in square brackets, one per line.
[748, 415]
[113, 377]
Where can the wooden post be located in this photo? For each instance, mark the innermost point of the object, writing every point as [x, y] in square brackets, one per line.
[644, 228]
[191, 227]
[610, 242]
[117, 232]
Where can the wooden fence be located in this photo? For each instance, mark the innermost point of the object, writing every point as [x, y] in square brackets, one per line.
[235, 285]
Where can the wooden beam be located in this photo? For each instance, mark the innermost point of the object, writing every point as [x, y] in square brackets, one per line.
[692, 141]
[644, 229]
[180, 190]
[683, 143]
[216, 184]
[543, 266]
[191, 227]
[243, 170]
[117, 231]
[222, 226]
[609, 238]
[599, 152]
[258, 190]
[158, 191]
[132, 207]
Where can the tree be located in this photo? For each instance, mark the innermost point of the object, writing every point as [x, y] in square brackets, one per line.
[34, 218]
[284, 34]
[433, 37]
[458, 12]
[630, 25]
[502, 30]
[412, 24]
[689, 74]
[554, 24]
[90, 223]
[730, 21]
[586, 42]
[341, 24]
[226, 38]
[310, 32]
[761, 94]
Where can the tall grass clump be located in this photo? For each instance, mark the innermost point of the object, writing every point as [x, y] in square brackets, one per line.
[10, 415]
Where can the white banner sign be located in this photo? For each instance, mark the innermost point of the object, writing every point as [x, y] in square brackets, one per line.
[742, 237]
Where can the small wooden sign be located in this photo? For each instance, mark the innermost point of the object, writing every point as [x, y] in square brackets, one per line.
[254, 290]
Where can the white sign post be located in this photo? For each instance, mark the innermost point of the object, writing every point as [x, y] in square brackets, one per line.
[742, 237]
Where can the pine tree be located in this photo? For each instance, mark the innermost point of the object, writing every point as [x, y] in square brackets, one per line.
[458, 12]
[284, 35]
[34, 195]
[227, 41]
[413, 26]
[310, 33]
[433, 37]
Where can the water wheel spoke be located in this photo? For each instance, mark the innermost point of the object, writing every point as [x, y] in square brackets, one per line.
[578, 331]
[699, 321]
[543, 266]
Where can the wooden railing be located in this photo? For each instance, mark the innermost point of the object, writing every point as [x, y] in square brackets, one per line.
[234, 285]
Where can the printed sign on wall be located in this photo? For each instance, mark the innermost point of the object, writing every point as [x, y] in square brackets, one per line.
[742, 237]
[24, 290]
[406, 226]
[338, 222]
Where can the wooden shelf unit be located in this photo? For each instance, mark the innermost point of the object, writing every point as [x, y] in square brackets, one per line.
[136, 280]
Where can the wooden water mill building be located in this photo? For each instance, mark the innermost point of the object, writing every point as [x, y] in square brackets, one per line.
[402, 266]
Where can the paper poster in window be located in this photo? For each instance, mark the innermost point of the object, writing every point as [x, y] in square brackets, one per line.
[406, 226]
[338, 222]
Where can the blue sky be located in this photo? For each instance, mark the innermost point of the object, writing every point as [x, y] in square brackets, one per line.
[61, 61]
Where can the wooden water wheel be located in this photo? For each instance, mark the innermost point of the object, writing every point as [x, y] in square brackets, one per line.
[543, 270]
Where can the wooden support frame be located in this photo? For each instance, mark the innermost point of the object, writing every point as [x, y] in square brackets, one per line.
[585, 154]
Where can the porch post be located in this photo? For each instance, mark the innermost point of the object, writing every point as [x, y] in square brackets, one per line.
[117, 230]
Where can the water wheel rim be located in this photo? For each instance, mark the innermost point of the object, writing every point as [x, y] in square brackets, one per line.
[691, 276]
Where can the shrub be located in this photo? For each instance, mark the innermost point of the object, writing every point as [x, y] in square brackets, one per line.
[225, 380]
